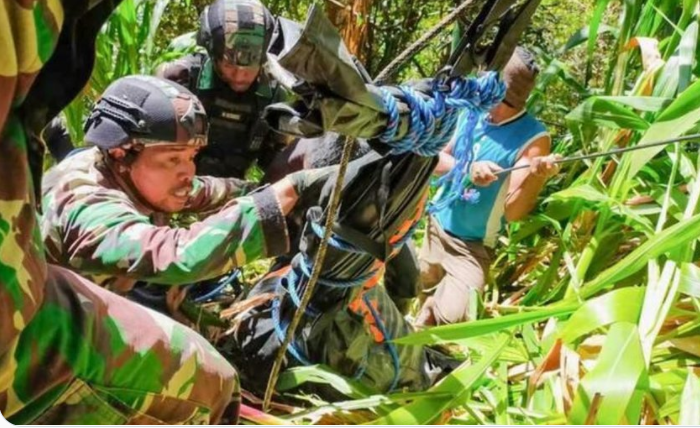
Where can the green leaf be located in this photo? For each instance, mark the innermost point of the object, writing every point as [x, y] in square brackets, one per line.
[380, 402]
[690, 401]
[608, 114]
[514, 353]
[450, 333]
[688, 16]
[260, 418]
[585, 191]
[545, 281]
[677, 119]
[619, 371]
[594, 25]
[298, 376]
[583, 35]
[690, 280]
[459, 383]
[687, 56]
[678, 234]
[650, 104]
[620, 305]
[153, 24]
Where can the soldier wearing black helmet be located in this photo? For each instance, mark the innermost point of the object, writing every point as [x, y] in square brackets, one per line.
[231, 83]
[107, 208]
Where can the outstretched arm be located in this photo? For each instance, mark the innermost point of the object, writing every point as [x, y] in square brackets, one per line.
[210, 194]
[100, 232]
[526, 184]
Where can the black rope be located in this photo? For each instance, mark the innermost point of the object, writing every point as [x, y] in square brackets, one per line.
[684, 139]
[421, 43]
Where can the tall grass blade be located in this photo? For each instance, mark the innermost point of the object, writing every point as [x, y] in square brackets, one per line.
[623, 305]
[620, 370]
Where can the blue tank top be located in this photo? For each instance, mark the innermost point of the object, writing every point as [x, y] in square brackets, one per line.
[502, 144]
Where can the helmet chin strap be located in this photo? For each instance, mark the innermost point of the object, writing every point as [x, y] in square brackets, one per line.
[121, 170]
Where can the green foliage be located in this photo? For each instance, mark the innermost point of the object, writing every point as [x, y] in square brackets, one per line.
[605, 286]
[690, 411]
[619, 371]
[131, 42]
[458, 384]
[592, 315]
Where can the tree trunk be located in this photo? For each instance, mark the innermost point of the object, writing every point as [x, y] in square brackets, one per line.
[351, 17]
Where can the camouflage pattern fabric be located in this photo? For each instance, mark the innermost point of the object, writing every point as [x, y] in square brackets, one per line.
[111, 362]
[71, 352]
[94, 225]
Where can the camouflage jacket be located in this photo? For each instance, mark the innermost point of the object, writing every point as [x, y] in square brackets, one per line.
[25, 47]
[95, 226]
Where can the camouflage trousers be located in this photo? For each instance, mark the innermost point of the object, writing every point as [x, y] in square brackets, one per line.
[89, 356]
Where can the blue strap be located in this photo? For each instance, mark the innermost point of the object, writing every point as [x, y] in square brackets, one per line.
[219, 288]
[306, 268]
[281, 330]
[335, 240]
[292, 279]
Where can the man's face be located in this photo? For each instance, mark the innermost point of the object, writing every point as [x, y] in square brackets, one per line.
[238, 78]
[163, 175]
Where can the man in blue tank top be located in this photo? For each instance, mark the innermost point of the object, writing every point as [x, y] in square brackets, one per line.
[457, 249]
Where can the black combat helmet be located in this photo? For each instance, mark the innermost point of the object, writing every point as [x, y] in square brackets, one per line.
[236, 31]
[148, 109]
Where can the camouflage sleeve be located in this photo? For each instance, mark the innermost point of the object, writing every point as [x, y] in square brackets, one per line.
[102, 233]
[27, 38]
[209, 194]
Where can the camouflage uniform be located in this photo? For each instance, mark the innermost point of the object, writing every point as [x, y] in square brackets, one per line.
[118, 240]
[238, 136]
[71, 352]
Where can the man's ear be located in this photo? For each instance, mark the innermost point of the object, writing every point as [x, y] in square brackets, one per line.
[121, 158]
[117, 154]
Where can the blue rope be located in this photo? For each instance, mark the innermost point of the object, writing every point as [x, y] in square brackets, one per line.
[219, 288]
[292, 280]
[335, 240]
[432, 120]
[306, 268]
[281, 329]
[477, 97]
[361, 369]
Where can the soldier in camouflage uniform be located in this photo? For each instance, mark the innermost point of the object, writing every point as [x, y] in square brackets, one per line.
[71, 352]
[107, 208]
[234, 88]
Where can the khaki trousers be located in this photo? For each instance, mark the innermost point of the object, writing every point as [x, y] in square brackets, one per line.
[453, 274]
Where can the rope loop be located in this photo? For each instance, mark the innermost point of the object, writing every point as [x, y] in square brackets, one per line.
[432, 121]
[475, 97]
[433, 118]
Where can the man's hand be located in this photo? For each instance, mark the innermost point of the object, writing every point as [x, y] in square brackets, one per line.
[545, 166]
[484, 173]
